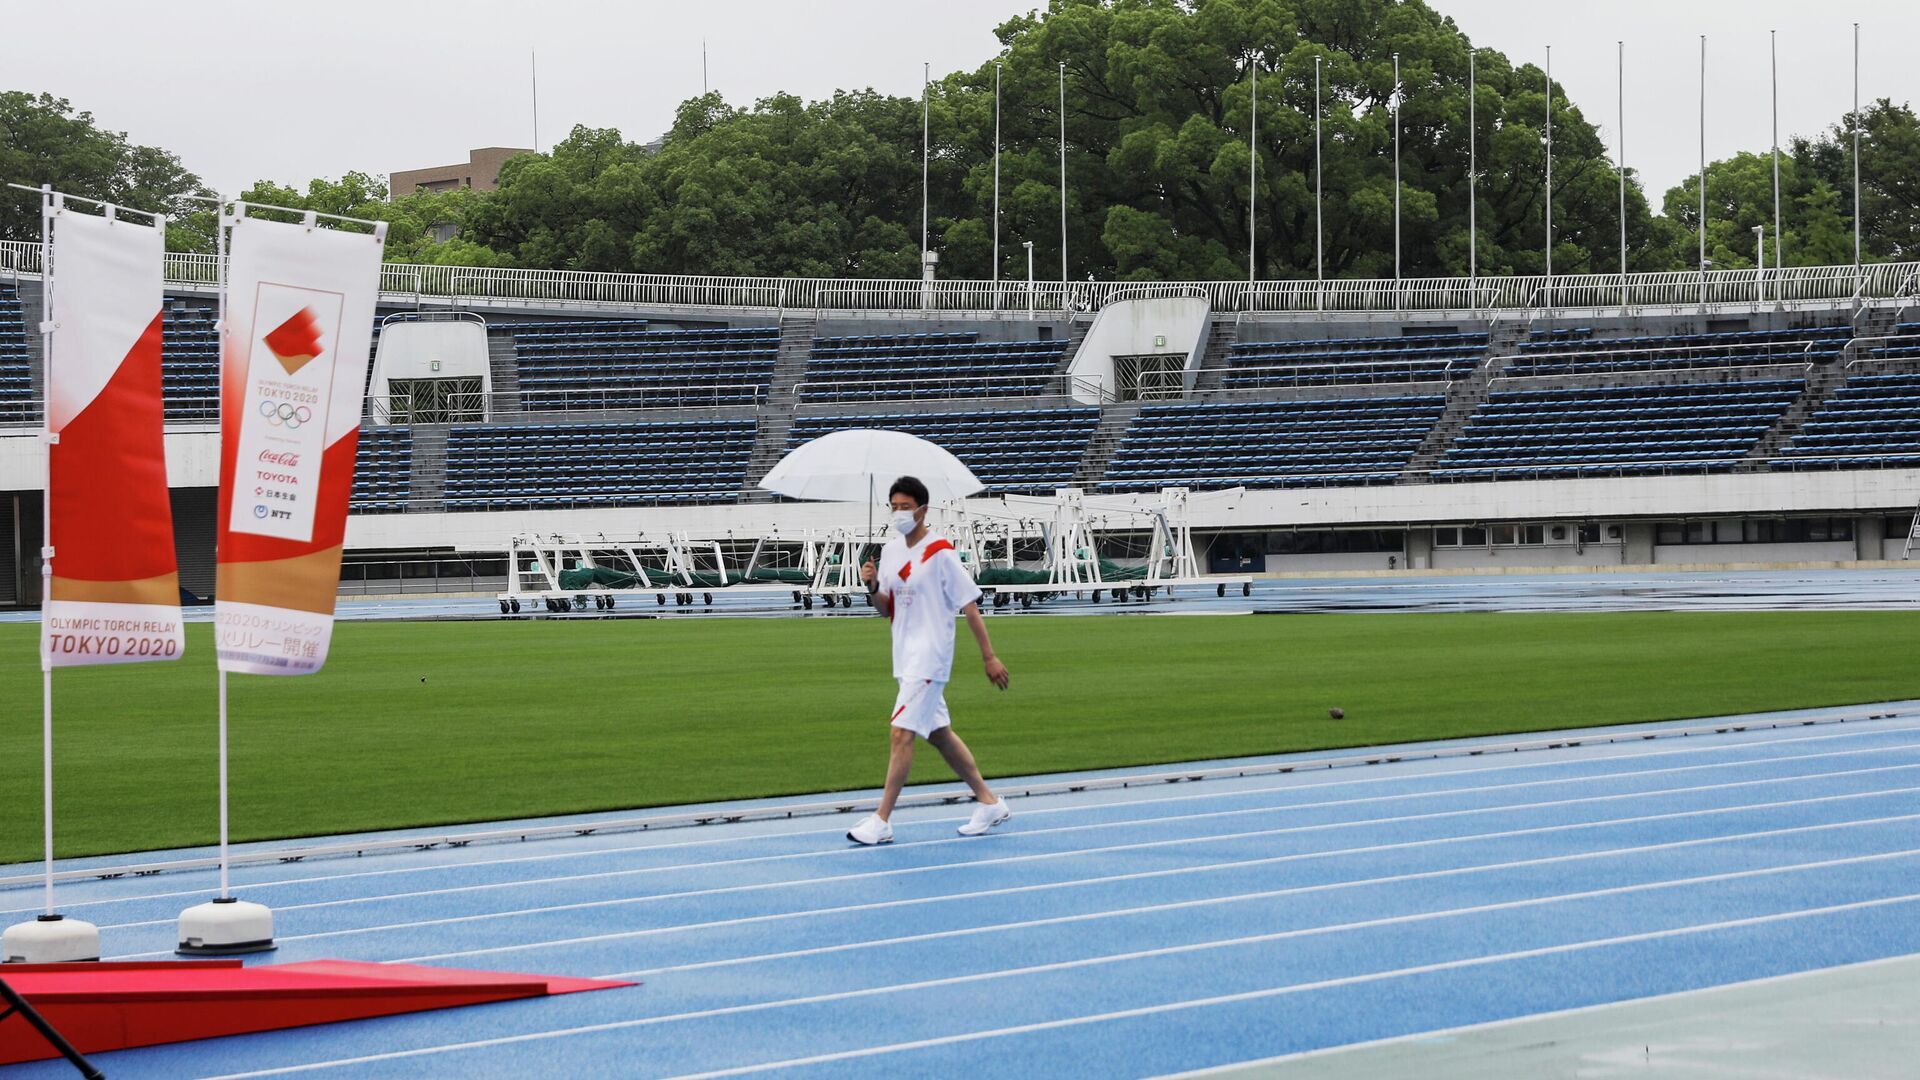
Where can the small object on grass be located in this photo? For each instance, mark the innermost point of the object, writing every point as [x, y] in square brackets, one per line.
[423, 678]
[1337, 713]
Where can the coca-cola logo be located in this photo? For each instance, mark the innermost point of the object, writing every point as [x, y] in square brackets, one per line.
[280, 457]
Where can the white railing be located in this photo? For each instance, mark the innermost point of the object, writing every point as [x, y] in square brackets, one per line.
[1687, 289]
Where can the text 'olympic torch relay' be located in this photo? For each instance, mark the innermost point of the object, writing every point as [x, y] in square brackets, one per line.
[114, 593]
[299, 321]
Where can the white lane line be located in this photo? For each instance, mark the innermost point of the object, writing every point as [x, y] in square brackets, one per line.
[1556, 1014]
[1064, 965]
[1323, 984]
[1264, 789]
[845, 851]
[1402, 845]
[588, 905]
[1212, 901]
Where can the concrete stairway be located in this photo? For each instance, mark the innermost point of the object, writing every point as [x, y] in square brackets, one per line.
[1222, 332]
[776, 416]
[1106, 439]
[1821, 383]
[503, 364]
[1463, 397]
[427, 471]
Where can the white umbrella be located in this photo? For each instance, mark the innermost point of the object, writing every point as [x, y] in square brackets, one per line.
[857, 464]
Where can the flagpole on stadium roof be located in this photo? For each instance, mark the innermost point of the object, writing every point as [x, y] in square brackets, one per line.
[1319, 231]
[1703, 169]
[1549, 198]
[996, 182]
[1473, 169]
[533, 77]
[1395, 102]
[1620, 88]
[1773, 53]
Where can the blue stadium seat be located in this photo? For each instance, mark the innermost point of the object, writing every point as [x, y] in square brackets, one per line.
[1010, 450]
[905, 367]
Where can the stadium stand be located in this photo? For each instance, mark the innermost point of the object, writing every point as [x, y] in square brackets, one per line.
[189, 360]
[1872, 422]
[16, 381]
[1010, 450]
[382, 470]
[884, 367]
[1578, 351]
[1581, 431]
[525, 466]
[1413, 358]
[1365, 440]
[621, 364]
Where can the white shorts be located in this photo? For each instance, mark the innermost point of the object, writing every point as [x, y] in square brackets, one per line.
[921, 707]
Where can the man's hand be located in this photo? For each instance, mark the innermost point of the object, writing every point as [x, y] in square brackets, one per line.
[869, 572]
[997, 672]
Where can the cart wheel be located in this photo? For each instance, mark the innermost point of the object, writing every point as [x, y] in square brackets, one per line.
[1096, 596]
[515, 604]
[1246, 588]
[503, 607]
[807, 601]
[796, 596]
[660, 598]
[708, 597]
[1026, 600]
[612, 600]
[1220, 590]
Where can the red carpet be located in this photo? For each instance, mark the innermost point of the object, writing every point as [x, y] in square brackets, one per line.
[113, 1006]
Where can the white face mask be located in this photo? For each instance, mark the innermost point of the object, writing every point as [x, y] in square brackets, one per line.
[903, 522]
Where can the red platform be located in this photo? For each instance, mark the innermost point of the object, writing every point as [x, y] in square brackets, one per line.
[113, 1006]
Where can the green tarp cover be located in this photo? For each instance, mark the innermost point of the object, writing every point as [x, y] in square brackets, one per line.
[588, 577]
[1000, 575]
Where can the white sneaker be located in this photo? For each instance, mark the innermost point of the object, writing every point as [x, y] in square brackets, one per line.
[985, 817]
[874, 829]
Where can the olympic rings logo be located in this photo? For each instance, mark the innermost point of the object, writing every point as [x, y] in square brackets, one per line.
[283, 414]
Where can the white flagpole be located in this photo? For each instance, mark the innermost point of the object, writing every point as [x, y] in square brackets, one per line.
[47, 439]
[1253, 165]
[1620, 87]
[1549, 198]
[1473, 177]
[1703, 169]
[1397, 102]
[1319, 230]
[533, 78]
[1063, 184]
[926, 143]
[220, 316]
[996, 183]
[1856, 150]
[1773, 49]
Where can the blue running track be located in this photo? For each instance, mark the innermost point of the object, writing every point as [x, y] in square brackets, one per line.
[1109, 932]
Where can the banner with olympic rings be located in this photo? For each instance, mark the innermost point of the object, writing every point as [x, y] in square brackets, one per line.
[299, 321]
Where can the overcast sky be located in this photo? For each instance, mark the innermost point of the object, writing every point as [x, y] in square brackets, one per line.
[242, 93]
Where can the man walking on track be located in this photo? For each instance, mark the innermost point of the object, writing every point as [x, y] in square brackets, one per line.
[919, 584]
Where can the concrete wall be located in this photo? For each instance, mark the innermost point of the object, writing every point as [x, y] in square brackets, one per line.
[1140, 328]
[412, 350]
[1835, 551]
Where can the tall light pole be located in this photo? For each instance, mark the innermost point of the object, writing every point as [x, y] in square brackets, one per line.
[1549, 199]
[1029, 246]
[996, 182]
[1397, 102]
[1063, 183]
[1620, 86]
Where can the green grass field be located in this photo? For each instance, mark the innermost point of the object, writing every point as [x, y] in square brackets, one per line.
[516, 719]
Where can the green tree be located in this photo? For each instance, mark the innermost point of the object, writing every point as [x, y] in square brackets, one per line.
[44, 141]
[1889, 178]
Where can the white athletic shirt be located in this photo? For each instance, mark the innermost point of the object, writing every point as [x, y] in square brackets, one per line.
[928, 585]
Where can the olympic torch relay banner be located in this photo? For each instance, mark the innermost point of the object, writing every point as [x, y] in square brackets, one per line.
[114, 595]
[293, 370]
